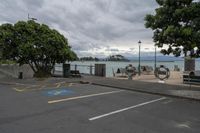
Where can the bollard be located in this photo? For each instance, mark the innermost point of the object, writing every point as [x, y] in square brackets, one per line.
[20, 76]
[90, 69]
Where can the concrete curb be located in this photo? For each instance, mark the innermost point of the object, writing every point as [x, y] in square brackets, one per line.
[12, 83]
[149, 92]
[8, 83]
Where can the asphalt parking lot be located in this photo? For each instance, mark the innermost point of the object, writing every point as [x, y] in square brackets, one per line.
[85, 108]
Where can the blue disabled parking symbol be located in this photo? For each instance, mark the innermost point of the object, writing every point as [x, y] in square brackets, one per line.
[58, 92]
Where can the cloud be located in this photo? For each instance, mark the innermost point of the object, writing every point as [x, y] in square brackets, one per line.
[112, 50]
[91, 26]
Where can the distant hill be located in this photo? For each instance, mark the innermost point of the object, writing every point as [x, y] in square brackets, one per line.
[159, 58]
[116, 58]
[152, 58]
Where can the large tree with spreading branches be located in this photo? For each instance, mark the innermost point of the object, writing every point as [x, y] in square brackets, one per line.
[34, 44]
[176, 24]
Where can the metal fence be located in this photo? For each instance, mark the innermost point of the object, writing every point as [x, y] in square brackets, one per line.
[83, 69]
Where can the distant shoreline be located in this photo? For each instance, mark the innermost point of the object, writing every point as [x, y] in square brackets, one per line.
[141, 61]
[131, 61]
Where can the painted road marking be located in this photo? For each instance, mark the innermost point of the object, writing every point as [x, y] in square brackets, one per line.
[18, 90]
[58, 92]
[125, 109]
[22, 89]
[84, 96]
[58, 85]
[70, 84]
[28, 87]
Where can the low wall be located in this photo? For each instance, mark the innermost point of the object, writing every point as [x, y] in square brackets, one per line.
[12, 70]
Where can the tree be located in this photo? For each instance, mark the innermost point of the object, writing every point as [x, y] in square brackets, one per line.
[176, 25]
[35, 44]
[7, 45]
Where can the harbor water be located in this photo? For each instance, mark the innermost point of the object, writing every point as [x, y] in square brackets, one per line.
[112, 66]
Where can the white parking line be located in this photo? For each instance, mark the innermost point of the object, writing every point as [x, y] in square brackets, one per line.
[85, 96]
[128, 108]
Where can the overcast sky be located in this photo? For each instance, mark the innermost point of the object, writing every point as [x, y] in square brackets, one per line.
[93, 27]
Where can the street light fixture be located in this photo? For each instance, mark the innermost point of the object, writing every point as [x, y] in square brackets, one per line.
[139, 44]
[29, 18]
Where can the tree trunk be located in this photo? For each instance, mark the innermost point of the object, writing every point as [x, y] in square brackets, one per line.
[40, 73]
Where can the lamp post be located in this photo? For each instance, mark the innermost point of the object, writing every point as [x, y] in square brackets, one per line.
[155, 59]
[139, 44]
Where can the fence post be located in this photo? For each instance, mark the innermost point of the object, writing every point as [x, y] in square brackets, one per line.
[75, 67]
[90, 69]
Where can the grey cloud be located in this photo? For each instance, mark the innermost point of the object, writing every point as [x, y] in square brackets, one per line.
[133, 11]
[112, 50]
[90, 24]
[103, 5]
[33, 4]
[11, 11]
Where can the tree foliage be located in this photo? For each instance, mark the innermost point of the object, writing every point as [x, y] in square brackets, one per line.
[176, 25]
[34, 44]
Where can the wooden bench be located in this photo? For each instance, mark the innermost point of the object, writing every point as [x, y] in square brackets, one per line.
[187, 79]
[75, 73]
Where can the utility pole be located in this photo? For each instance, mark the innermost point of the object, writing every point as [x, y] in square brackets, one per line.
[139, 44]
[155, 64]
